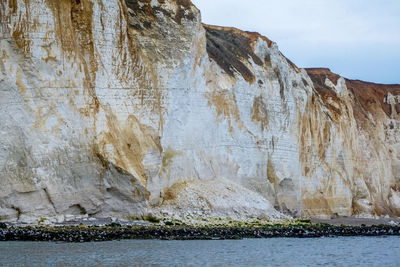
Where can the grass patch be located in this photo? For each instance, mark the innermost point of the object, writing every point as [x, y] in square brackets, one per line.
[304, 220]
[42, 220]
[114, 224]
[152, 219]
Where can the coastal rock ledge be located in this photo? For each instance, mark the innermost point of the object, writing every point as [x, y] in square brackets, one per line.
[124, 108]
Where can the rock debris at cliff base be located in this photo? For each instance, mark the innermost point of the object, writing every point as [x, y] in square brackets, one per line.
[107, 233]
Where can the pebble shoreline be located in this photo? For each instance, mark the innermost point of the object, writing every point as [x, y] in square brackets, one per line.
[107, 233]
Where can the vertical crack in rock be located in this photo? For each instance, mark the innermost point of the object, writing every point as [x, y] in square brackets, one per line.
[18, 212]
[49, 199]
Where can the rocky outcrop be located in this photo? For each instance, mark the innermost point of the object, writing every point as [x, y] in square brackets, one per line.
[122, 108]
[369, 115]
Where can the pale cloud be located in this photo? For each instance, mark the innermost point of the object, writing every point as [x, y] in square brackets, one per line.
[356, 38]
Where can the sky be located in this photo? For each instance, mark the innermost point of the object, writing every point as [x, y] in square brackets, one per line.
[358, 39]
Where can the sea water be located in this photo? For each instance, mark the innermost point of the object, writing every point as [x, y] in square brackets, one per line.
[338, 251]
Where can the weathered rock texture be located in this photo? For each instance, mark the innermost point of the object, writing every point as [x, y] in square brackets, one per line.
[124, 107]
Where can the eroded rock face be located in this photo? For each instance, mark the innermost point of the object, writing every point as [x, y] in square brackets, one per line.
[120, 108]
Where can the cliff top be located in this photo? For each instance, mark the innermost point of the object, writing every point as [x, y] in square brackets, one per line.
[232, 48]
[369, 95]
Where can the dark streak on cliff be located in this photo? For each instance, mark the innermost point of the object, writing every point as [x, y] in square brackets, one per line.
[230, 47]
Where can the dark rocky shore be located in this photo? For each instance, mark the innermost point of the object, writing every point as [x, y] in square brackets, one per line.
[182, 232]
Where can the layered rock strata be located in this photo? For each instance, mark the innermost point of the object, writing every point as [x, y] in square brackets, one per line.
[121, 108]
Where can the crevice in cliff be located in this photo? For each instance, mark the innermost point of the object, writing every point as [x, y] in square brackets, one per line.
[76, 209]
[50, 199]
[18, 212]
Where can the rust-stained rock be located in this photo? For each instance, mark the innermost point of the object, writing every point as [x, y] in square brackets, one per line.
[123, 108]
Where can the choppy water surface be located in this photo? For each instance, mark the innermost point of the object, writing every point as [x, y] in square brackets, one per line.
[340, 251]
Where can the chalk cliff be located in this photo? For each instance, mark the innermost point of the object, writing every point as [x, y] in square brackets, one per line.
[127, 107]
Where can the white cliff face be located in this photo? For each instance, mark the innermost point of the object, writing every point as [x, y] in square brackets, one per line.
[120, 108]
